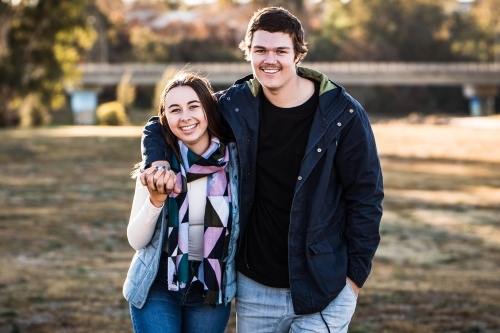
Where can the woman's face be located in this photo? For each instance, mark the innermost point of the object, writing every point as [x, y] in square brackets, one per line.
[186, 118]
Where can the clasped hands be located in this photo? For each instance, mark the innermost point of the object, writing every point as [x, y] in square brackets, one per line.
[160, 181]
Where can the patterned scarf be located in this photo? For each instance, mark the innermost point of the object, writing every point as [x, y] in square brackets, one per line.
[212, 164]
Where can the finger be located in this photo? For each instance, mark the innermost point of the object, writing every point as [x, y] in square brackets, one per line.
[143, 177]
[161, 177]
[150, 181]
[158, 174]
[160, 183]
[170, 182]
[177, 187]
[168, 179]
[177, 190]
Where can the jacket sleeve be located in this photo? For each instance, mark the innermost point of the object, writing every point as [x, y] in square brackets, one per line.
[360, 173]
[153, 144]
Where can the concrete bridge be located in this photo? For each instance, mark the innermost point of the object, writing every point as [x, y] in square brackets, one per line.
[480, 82]
[363, 73]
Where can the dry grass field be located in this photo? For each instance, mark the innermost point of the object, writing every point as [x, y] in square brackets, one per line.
[65, 198]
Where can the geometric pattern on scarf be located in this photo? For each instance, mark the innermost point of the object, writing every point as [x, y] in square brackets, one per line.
[212, 164]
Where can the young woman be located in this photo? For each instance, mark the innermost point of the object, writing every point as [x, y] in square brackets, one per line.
[182, 277]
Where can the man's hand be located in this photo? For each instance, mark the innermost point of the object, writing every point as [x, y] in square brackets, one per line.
[354, 286]
[159, 178]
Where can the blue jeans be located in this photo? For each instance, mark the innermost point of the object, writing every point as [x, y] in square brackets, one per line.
[178, 311]
[262, 309]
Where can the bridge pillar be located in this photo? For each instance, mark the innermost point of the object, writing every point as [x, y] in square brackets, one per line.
[481, 99]
[84, 105]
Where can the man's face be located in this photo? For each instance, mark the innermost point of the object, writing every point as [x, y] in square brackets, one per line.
[273, 59]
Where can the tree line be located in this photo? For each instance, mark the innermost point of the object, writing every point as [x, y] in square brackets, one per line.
[42, 41]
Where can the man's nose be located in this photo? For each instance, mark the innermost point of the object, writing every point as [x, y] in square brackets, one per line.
[270, 57]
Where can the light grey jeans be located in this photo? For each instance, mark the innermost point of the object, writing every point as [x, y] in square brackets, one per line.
[262, 309]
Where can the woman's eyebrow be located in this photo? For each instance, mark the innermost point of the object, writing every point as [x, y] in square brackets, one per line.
[193, 101]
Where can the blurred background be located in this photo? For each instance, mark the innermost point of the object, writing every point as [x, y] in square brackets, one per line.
[79, 79]
[59, 58]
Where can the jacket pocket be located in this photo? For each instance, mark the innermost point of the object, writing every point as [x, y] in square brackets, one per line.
[327, 262]
[326, 244]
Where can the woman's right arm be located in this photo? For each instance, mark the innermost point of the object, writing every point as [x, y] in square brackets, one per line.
[143, 217]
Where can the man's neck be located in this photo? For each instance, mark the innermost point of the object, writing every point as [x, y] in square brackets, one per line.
[295, 93]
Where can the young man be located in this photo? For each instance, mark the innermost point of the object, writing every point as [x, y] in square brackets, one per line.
[310, 181]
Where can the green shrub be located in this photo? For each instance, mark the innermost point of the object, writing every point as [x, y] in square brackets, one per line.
[111, 113]
[33, 112]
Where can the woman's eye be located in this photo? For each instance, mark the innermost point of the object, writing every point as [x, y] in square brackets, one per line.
[174, 110]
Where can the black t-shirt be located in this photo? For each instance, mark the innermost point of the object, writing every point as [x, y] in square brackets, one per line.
[283, 136]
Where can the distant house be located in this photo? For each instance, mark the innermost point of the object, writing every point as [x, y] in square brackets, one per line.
[164, 19]
[156, 20]
[204, 14]
[140, 16]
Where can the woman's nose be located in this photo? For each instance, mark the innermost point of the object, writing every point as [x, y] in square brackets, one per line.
[185, 115]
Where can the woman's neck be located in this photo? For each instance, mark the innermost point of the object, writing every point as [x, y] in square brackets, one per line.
[200, 146]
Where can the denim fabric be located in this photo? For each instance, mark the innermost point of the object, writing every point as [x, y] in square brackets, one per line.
[262, 309]
[178, 311]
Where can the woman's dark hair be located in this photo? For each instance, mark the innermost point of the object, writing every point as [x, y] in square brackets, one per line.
[205, 93]
[276, 19]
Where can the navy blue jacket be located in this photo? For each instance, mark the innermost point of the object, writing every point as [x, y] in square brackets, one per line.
[337, 204]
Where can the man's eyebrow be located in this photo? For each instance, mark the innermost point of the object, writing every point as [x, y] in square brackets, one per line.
[276, 48]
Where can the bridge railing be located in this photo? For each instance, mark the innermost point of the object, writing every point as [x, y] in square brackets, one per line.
[345, 73]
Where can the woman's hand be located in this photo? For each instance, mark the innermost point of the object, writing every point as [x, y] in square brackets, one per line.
[160, 179]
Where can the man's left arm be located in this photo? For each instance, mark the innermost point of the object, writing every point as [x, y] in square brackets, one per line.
[358, 164]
